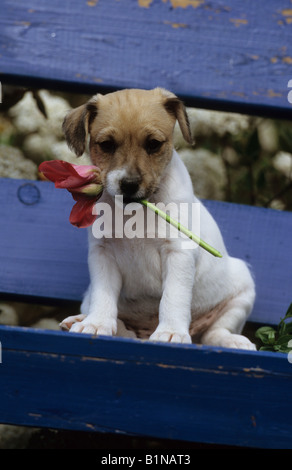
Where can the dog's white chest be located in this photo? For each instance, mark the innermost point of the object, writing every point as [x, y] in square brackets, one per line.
[140, 267]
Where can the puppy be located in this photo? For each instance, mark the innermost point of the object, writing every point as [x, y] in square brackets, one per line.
[160, 289]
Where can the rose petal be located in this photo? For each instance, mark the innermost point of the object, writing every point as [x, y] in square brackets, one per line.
[81, 215]
[86, 170]
[82, 181]
[65, 174]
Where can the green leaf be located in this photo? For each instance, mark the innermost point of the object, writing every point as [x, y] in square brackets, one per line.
[283, 348]
[266, 348]
[277, 340]
[266, 334]
[283, 340]
[282, 327]
[288, 328]
[289, 312]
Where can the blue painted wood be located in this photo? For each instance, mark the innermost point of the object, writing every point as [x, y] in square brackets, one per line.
[229, 54]
[43, 256]
[183, 392]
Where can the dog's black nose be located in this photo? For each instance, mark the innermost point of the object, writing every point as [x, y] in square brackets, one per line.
[129, 186]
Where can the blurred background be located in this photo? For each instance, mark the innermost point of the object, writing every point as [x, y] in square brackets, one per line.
[236, 158]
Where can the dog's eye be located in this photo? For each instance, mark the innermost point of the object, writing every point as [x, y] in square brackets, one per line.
[153, 146]
[108, 146]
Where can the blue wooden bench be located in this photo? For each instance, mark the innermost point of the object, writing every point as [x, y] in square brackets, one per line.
[230, 55]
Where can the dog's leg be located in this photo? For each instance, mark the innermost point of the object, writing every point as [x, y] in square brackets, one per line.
[101, 301]
[225, 332]
[175, 305]
[68, 322]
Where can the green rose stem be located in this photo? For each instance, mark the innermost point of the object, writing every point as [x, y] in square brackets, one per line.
[181, 228]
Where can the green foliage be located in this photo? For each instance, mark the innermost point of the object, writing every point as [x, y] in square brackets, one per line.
[277, 339]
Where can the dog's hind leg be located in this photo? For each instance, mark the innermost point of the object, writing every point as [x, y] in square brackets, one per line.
[226, 331]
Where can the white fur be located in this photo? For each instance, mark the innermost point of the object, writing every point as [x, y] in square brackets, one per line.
[139, 277]
[113, 180]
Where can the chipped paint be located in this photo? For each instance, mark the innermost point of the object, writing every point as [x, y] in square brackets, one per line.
[238, 21]
[253, 421]
[23, 23]
[90, 426]
[174, 3]
[185, 3]
[274, 94]
[91, 3]
[287, 12]
[101, 359]
[176, 25]
[145, 3]
[238, 93]
[287, 60]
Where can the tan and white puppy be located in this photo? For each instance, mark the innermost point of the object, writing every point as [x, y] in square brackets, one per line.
[159, 288]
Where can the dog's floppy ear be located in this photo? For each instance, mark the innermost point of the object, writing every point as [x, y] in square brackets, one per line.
[176, 107]
[76, 125]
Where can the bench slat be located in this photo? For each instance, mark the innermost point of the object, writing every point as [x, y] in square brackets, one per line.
[43, 256]
[231, 55]
[71, 381]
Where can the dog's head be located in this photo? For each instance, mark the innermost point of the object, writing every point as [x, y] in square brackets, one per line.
[131, 137]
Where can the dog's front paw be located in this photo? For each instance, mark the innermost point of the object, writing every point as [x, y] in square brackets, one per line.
[68, 322]
[90, 325]
[169, 336]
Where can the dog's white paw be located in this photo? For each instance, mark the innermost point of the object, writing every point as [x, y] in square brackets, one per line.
[229, 340]
[67, 323]
[86, 324]
[169, 336]
[238, 342]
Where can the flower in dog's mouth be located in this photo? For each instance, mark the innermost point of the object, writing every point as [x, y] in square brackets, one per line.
[84, 183]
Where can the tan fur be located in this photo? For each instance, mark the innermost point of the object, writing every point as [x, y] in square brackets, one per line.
[199, 324]
[129, 118]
